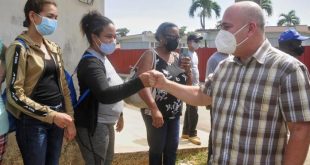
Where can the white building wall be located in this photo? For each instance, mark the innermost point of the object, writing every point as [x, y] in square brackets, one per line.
[67, 35]
[210, 38]
[273, 38]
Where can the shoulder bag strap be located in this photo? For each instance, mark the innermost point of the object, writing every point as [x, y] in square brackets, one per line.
[87, 91]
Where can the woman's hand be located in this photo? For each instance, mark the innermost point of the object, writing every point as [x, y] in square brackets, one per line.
[65, 121]
[120, 124]
[148, 79]
[70, 132]
[62, 120]
[186, 64]
[157, 118]
[157, 79]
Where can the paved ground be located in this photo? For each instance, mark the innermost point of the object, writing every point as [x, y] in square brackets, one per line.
[133, 137]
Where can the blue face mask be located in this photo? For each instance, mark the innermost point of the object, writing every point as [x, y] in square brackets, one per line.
[47, 26]
[107, 49]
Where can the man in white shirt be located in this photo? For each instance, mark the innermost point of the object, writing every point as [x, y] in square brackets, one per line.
[191, 115]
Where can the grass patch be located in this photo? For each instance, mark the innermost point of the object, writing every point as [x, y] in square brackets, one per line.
[198, 157]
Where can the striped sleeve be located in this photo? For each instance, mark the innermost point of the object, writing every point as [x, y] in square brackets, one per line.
[207, 89]
[295, 95]
[16, 72]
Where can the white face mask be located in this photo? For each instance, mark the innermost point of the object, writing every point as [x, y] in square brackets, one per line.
[226, 42]
[195, 45]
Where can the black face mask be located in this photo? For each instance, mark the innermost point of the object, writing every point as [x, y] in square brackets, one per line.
[172, 44]
[299, 50]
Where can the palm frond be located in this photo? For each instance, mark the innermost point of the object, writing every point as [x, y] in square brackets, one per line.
[281, 22]
[216, 8]
[289, 19]
[193, 8]
[207, 7]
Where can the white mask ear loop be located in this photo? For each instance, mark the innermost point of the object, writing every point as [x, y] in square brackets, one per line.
[240, 29]
[96, 42]
[242, 41]
[238, 32]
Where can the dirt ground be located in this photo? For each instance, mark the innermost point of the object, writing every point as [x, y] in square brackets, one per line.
[70, 153]
[72, 156]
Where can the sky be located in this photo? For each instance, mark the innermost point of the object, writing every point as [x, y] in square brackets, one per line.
[147, 15]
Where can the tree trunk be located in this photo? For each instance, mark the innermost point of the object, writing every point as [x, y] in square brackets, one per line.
[202, 22]
[257, 1]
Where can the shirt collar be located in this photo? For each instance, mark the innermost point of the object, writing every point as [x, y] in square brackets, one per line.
[50, 46]
[259, 55]
[261, 52]
[93, 52]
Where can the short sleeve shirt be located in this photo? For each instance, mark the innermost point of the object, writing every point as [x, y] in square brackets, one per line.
[252, 101]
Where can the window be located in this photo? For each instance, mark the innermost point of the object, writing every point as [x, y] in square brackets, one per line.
[153, 44]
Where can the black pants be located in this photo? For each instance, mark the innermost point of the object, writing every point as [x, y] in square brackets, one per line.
[190, 120]
[210, 137]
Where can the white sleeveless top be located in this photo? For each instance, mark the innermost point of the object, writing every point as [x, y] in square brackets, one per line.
[109, 113]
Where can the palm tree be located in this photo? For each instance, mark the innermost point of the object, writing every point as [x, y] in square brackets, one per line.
[267, 6]
[207, 6]
[289, 19]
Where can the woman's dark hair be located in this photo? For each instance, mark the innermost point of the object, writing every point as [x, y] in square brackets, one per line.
[93, 23]
[36, 6]
[163, 28]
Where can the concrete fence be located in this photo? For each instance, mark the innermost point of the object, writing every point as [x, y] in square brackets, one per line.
[124, 59]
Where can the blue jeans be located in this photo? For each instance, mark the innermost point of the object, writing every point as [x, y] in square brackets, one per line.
[40, 143]
[163, 141]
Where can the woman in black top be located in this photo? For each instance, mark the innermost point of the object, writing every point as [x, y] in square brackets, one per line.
[162, 116]
[101, 109]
